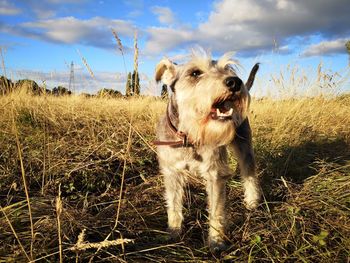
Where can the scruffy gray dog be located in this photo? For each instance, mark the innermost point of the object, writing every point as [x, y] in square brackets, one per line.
[207, 111]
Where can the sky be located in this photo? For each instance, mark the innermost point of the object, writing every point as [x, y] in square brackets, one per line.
[40, 39]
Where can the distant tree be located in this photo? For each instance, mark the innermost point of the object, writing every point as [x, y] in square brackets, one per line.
[109, 93]
[135, 83]
[164, 92]
[86, 95]
[132, 86]
[6, 85]
[347, 46]
[30, 86]
[128, 88]
[60, 91]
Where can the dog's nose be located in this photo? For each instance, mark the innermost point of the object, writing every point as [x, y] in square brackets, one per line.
[233, 83]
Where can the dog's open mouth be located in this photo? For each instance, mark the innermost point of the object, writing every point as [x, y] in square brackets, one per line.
[223, 108]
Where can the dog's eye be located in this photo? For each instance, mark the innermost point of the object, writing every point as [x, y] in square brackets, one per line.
[196, 73]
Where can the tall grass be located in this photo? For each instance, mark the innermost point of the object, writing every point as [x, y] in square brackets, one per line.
[293, 81]
[101, 169]
[24, 181]
[96, 128]
[79, 179]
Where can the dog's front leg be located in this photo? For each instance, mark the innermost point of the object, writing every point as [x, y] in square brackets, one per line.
[174, 190]
[216, 191]
[242, 145]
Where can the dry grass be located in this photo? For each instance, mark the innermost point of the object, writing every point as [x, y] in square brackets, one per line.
[98, 151]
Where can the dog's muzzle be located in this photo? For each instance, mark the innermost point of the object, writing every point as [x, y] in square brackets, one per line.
[224, 106]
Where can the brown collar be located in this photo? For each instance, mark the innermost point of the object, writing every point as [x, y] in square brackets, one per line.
[183, 142]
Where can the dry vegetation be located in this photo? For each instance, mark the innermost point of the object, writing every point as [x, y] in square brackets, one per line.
[79, 182]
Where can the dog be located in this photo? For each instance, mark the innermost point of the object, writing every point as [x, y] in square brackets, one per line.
[207, 111]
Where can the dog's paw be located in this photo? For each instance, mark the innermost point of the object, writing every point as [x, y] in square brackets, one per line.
[252, 198]
[217, 247]
[251, 204]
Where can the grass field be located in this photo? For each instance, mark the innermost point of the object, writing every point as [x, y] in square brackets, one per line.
[72, 165]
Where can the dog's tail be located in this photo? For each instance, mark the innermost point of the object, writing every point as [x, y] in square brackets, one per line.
[252, 74]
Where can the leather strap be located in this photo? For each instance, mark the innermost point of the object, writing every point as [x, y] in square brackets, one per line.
[183, 142]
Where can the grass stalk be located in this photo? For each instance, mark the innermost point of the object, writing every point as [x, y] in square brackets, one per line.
[43, 179]
[123, 176]
[19, 150]
[121, 49]
[136, 90]
[14, 233]
[58, 213]
[86, 65]
[3, 62]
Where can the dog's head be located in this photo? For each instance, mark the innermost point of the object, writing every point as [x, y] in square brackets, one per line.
[211, 99]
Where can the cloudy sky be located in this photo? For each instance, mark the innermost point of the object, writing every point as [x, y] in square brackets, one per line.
[40, 39]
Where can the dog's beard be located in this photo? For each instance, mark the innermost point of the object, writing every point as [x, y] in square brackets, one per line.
[202, 129]
[217, 133]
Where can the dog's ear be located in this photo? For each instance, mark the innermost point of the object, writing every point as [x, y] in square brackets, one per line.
[166, 72]
[251, 78]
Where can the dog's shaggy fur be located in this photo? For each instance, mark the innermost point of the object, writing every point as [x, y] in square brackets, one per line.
[207, 111]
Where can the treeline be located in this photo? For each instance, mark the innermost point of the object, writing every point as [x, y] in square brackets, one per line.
[30, 86]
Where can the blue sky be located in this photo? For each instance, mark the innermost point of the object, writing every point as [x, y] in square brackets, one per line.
[39, 39]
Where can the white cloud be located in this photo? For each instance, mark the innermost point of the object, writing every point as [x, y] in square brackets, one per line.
[285, 5]
[251, 26]
[166, 39]
[165, 15]
[70, 30]
[42, 13]
[325, 47]
[8, 9]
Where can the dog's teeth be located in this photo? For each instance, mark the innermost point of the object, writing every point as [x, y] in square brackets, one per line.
[224, 114]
